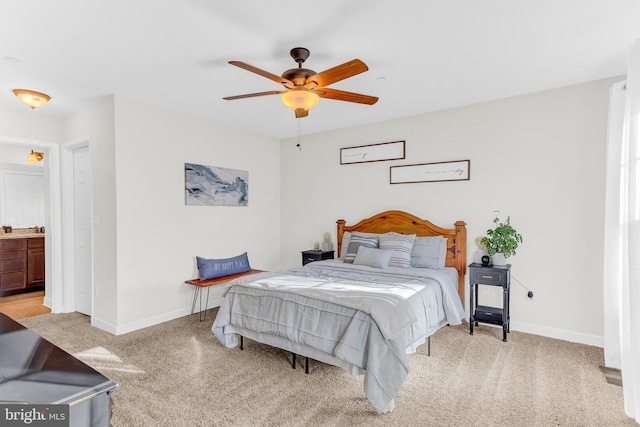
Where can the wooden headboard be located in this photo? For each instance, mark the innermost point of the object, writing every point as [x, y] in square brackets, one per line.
[405, 223]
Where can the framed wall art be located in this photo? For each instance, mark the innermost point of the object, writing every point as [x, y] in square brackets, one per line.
[373, 153]
[215, 186]
[457, 170]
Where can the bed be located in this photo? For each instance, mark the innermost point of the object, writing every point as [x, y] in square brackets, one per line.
[364, 311]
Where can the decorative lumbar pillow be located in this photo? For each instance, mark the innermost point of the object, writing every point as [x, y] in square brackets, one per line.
[212, 268]
[429, 252]
[357, 240]
[401, 245]
[378, 258]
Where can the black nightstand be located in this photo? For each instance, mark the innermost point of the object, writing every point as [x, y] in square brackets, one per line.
[315, 255]
[496, 275]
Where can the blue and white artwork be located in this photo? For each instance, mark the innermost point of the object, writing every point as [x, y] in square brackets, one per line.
[214, 186]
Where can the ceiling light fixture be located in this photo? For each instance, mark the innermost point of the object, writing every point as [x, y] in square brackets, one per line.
[32, 98]
[35, 157]
[301, 100]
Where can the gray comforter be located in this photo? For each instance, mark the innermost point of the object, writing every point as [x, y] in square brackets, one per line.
[360, 318]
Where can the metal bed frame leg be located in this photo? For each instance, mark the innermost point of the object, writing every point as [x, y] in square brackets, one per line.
[241, 342]
[306, 362]
[429, 346]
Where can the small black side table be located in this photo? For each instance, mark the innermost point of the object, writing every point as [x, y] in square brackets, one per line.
[496, 275]
[315, 255]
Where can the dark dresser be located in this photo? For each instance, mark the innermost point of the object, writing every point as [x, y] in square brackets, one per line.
[33, 371]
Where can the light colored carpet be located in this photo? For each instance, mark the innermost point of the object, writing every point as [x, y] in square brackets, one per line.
[177, 374]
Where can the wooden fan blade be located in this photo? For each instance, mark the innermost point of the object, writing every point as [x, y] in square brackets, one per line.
[341, 72]
[251, 95]
[260, 72]
[341, 95]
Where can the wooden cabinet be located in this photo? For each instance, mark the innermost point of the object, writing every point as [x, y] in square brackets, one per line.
[21, 265]
[35, 262]
[13, 265]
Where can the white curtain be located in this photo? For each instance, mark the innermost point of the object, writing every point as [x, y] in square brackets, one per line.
[622, 235]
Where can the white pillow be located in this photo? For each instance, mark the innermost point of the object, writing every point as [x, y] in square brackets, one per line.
[401, 245]
[378, 258]
[429, 252]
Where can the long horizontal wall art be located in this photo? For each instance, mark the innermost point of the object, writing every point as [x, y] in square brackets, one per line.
[457, 170]
[373, 153]
[215, 186]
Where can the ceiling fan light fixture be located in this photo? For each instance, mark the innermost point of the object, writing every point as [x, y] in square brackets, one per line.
[300, 98]
[35, 157]
[31, 98]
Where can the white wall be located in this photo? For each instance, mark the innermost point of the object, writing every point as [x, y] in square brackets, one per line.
[13, 158]
[156, 235]
[30, 124]
[539, 158]
[96, 122]
[17, 155]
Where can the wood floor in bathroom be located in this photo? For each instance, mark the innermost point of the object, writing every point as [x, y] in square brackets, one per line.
[23, 305]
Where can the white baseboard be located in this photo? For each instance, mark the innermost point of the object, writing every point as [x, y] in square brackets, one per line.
[47, 302]
[561, 334]
[149, 321]
[105, 326]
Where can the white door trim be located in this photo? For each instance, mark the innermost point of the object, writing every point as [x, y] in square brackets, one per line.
[68, 241]
[53, 235]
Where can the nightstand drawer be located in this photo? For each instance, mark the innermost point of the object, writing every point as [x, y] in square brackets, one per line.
[313, 255]
[489, 276]
[488, 314]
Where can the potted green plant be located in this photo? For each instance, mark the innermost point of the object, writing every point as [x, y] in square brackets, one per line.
[502, 240]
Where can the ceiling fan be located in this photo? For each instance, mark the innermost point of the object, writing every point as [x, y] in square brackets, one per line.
[304, 87]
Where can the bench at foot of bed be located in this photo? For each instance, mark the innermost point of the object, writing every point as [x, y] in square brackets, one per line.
[207, 283]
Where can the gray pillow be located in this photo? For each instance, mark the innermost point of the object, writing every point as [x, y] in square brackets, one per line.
[357, 240]
[346, 238]
[429, 252]
[401, 245]
[378, 258]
